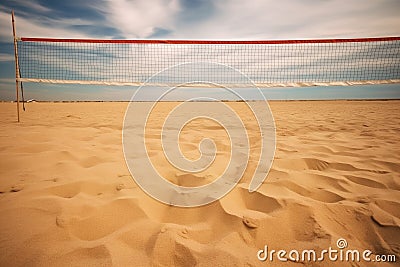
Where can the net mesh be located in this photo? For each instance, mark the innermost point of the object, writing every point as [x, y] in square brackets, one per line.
[266, 63]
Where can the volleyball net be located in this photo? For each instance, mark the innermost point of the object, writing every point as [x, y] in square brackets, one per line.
[288, 63]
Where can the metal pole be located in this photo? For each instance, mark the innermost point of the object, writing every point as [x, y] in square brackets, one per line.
[17, 76]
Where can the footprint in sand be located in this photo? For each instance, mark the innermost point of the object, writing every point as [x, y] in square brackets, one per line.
[17, 188]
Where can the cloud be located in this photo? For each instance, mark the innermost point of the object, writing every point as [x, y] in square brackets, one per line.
[196, 11]
[160, 33]
[219, 19]
[30, 27]
[7, 80]
[140, 18]
[6, 57]
[32, 5]
[286, 19]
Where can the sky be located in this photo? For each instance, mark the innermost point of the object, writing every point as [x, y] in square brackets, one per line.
[193, 19]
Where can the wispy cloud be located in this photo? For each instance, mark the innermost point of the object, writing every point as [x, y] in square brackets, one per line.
[6, 57]
[140, 18]
[7, 80]
[29, 27]
[286, 19]
[206, 19]
[34, 6]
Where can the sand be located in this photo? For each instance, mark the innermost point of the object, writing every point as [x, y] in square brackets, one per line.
[67, 197]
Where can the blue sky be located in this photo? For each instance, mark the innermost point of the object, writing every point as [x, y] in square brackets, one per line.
[194, 19]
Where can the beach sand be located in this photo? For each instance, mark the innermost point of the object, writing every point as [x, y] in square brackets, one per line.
[67, 197]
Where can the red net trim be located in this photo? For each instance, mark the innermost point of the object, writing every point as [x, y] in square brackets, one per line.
[377, 39]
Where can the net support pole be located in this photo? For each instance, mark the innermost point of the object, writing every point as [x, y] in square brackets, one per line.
[17, 75]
